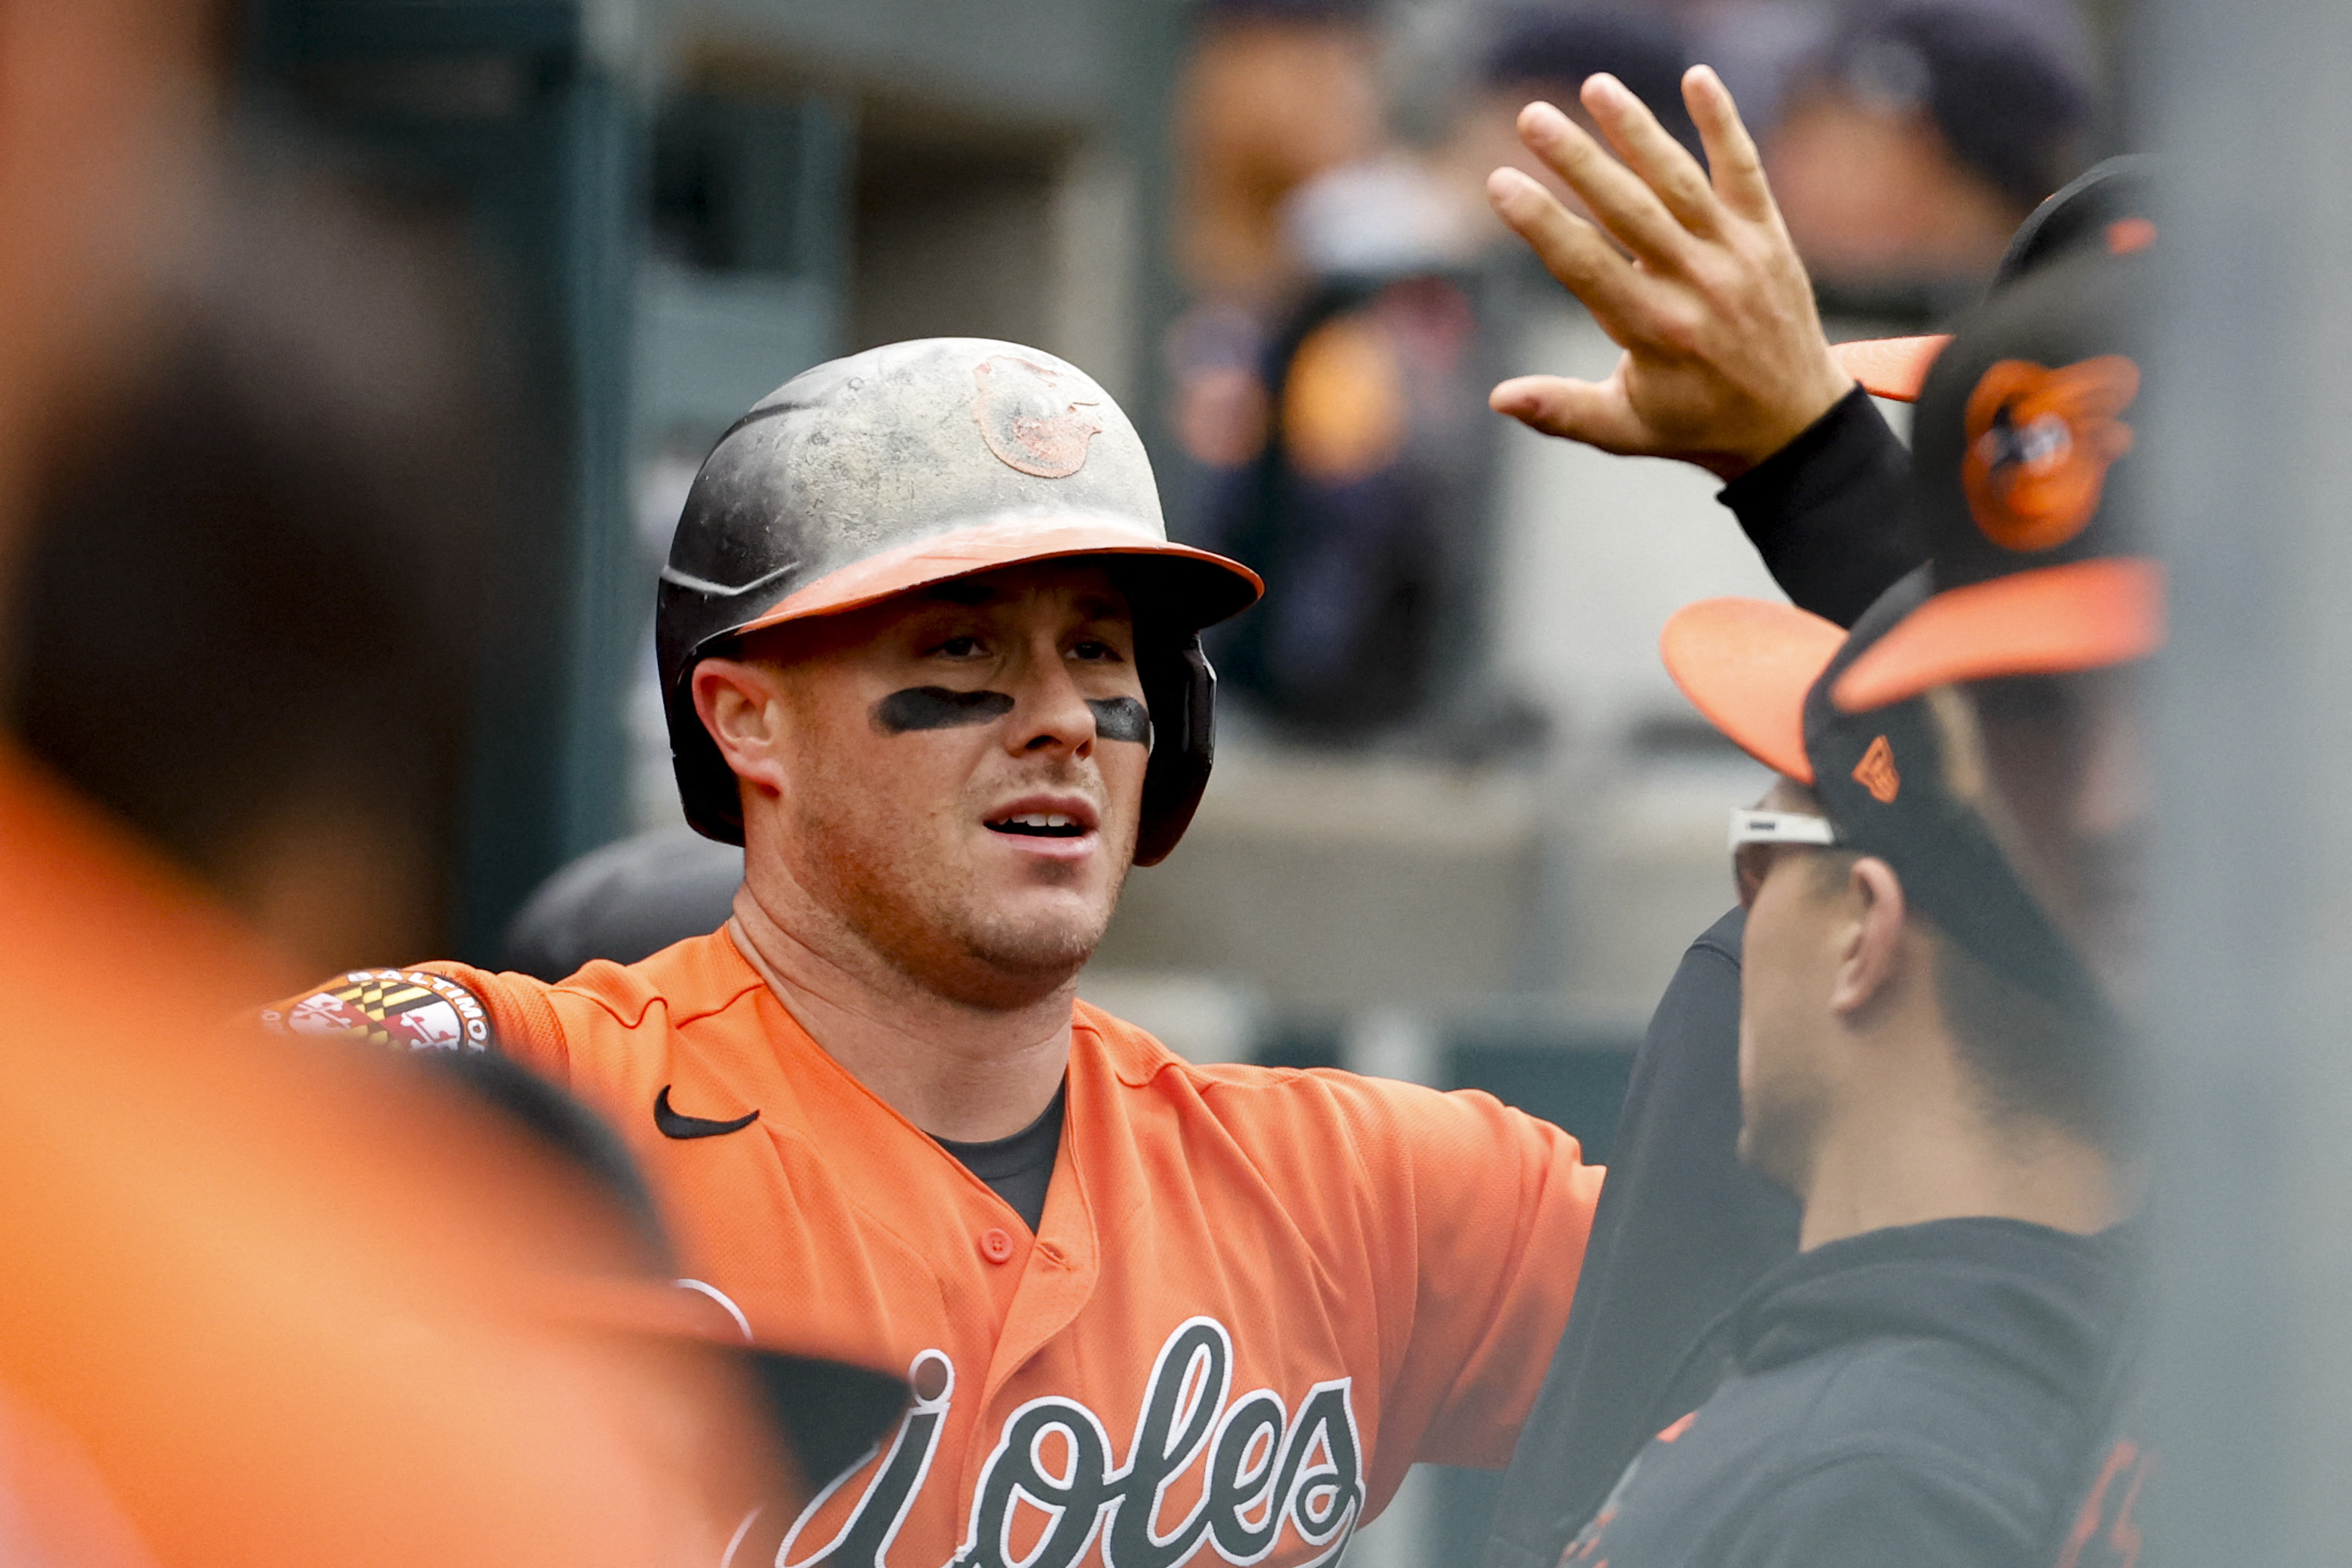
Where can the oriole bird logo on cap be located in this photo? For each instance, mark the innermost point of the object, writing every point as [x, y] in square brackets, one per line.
[2040, 445]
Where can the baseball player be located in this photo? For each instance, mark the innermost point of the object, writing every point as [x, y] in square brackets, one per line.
[930, 656]
[1726, 366]
[1939, 970]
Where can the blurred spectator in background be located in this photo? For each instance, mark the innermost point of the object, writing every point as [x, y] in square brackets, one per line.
[1365, 491]
[1546, 52]
[1275, 92]
[1362, 506]
[1910, 148]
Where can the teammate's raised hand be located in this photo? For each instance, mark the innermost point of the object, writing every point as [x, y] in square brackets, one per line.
[1724, 361]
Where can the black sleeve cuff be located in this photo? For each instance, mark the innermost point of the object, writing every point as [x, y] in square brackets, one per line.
[1827, 511]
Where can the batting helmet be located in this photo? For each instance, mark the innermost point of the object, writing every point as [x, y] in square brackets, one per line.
[911, 465]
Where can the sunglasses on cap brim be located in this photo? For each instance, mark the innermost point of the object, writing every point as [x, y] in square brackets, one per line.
[1757, 838]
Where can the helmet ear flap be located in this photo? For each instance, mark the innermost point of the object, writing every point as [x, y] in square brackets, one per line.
[1181, 689]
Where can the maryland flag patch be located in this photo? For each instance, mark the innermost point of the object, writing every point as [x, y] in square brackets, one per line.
[406, 1009]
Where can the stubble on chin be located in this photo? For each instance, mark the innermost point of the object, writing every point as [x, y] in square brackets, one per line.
[920, 912]
[996, 959]
[1039, 944]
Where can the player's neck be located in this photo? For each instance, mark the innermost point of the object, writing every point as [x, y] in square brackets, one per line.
[955, 1071]
[1920, 1147]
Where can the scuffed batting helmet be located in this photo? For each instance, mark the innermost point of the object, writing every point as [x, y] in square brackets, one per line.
[911, 465]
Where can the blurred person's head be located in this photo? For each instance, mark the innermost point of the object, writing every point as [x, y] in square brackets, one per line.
[1924, 131]
[249, 620]
[2046, 599]
[1546, 52]
[1944, 889]
[928, 656]
[1275, 92]
[104, 114]
[1861, 1018]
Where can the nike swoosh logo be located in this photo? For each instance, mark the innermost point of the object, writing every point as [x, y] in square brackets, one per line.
[674, 1124]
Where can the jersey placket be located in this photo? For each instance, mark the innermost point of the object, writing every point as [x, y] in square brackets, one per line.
[1057, 1275]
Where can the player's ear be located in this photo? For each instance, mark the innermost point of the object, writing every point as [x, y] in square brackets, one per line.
[1870, 950]
[740, 706]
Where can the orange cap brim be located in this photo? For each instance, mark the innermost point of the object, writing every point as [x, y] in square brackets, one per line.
[1891, 367]
[1218, 586]
[1747, 664]
[2084, 615]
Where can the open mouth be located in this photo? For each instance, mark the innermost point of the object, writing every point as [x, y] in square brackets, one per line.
[1039, 825]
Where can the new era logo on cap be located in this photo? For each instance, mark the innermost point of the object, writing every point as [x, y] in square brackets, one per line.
[1875, 772]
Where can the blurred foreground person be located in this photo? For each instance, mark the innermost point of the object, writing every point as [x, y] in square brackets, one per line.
[293, 494]
[1919, 139]
[1723, 367]
[928, 655]
[1941, 962]
[265, 1305]
[827, 1414]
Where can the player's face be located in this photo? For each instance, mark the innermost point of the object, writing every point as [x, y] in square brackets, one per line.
[964, 776]
[1787, 975]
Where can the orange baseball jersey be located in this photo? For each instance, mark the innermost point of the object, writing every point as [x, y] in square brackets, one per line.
[1255, 1297]
[270, 1305]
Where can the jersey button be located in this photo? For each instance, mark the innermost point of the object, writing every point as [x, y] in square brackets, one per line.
[995, 1245]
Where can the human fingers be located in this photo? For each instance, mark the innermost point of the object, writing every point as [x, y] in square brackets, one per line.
[1617, 197]
[1571, 250]
[1731, 152]
[1661, 161]
[1595, 413]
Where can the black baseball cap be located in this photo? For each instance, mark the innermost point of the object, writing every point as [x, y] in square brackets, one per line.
[2024, 470]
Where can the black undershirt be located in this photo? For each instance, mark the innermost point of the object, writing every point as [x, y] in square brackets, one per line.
[1020, 1167]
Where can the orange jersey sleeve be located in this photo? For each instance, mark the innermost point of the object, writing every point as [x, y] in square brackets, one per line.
[523, 1024]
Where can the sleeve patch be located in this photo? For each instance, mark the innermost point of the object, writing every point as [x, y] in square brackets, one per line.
[405, 1009]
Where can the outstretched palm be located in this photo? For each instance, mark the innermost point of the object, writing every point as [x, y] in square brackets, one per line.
[1724, 361]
